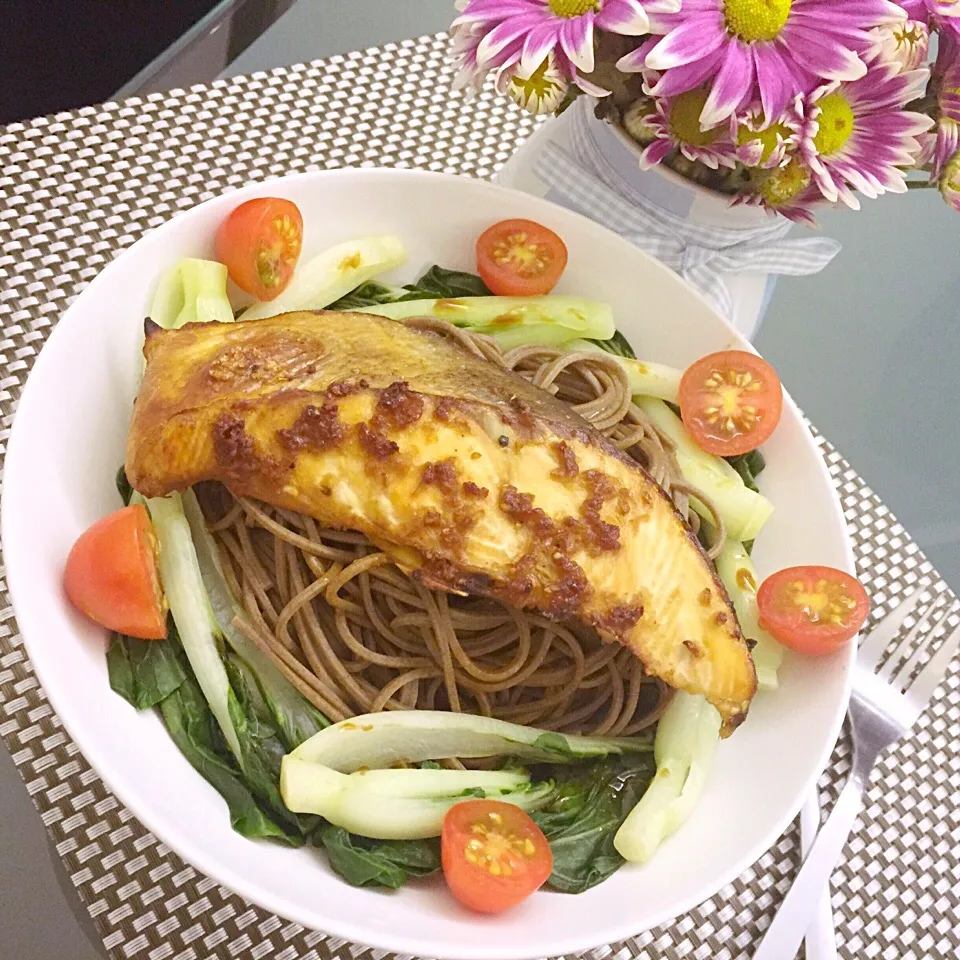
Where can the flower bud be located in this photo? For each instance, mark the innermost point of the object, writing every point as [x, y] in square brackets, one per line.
[904, 42]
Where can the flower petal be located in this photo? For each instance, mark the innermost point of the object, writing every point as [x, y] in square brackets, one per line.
[821, 54]
[576, 39]
[688, 42]
[776, 80]
[623, 16]
[731, 86]
[635, 60]
[654, 153]
[489, 11]
[750, 153]
[588, 87]
[681, 79]
[502, 36]
[867, 12]
[538, 43]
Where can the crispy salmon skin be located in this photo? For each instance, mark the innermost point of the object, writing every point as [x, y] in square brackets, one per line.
[472, 479]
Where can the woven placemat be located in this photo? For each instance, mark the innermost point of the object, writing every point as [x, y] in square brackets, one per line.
[77, 188]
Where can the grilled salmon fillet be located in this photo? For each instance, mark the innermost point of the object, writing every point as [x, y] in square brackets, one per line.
[472, 479]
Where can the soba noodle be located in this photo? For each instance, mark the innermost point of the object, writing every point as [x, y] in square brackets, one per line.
[356, 635]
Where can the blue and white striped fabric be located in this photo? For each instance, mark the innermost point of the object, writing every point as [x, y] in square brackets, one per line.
[702, 254]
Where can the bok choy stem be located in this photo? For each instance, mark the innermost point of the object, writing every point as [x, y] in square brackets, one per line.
[744, 512]
[191, 291]
[333, 274]
[398, 804]
[377, 740]
[190, 606]
[646, 379]
[687, 737]
[296, 719]
[513, 321]
[739, 576]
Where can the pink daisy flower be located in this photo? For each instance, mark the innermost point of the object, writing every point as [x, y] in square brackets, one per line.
[464, 42]
[758, 51]
[947, 79]
[528, 31]
[763, 144]
[788, 191]
[857, 135]
[674, 124]
[950, 182]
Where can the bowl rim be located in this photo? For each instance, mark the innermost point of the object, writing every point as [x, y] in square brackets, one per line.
[239, 883]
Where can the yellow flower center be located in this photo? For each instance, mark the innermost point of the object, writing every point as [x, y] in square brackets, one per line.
[769, 138]
[951, 177]
[785, 184]
[756, 19]
[836, 124]
[684, 119]
[572, 8]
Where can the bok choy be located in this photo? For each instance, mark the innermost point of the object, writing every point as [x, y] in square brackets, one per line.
[744, 512]
[296, 719]
[333, 274]
[687, 737]
[511, 320]
[739, 576]
[646, 379]
[191, 291]
[191, 611]
[230, 711]
[398, 804]
[378, 740]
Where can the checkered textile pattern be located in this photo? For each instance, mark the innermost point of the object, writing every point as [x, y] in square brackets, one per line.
[75, 190]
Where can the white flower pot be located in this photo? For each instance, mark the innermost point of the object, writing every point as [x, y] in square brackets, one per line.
[750, 291]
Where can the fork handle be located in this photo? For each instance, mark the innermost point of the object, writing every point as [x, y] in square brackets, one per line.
[785, 934]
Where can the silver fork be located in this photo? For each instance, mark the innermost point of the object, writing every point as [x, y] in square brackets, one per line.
[885, 704]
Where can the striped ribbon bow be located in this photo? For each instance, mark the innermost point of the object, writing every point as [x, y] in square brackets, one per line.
[701, 254]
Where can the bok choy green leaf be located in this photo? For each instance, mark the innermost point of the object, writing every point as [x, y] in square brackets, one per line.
[580, 821]
[378, 863]
[143, 672]
[189, 721]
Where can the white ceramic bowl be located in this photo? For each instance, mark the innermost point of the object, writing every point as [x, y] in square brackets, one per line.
[68, 440]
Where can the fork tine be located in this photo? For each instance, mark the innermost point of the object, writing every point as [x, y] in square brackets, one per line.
[898, 674]
[880, 637]
[922, 688]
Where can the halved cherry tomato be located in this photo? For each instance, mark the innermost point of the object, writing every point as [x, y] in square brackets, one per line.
[812, 610]
[111, 575]
[494, 856]
[260, 244]
[730, 402]
[520, 258]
